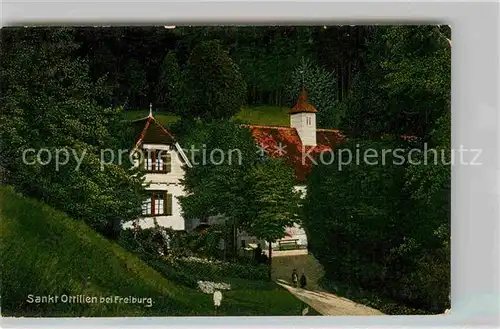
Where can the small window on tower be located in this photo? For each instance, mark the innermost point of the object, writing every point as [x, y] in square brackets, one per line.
[309, 121]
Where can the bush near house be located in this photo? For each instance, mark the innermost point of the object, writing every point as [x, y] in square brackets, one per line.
[217, 270]
[182, 261]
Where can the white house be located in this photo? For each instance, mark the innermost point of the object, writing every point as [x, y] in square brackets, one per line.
[164, 160]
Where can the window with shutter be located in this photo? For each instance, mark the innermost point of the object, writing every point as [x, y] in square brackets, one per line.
[167, 162]
[159, 198]
[168, 204]
[159, 204]
[141, 161]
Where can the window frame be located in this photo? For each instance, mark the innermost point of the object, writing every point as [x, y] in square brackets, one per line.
[160, 161]
[167, 209]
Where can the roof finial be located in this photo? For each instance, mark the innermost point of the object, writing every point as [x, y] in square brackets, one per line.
[150, 109]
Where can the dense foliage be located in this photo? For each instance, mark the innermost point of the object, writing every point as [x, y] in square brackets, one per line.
[405, 86]
[168, 84]
[274, 201]
[386, 228]
[266, 56]
[253, 194]
[321, 89]
[212, 86]
[52, 110]
[176, 254]
[382, 228]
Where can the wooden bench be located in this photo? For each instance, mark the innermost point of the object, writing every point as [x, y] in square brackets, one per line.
[288, 242]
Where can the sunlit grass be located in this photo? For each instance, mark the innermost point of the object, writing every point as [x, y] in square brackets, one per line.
[265, 115]
[256, 115]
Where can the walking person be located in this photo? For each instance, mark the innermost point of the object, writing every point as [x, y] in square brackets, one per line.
[295, 278]
[303, 281]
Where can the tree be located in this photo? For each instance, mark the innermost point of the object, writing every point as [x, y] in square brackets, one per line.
[51, 105]
[136, 79]
[360, 228]
[339, 49]
[168, 82]
[405, 86]
[253, 194]
[354, 216]
[212, 86]
[430, 186]
[274, 201]
[320, 86]
[218, 183]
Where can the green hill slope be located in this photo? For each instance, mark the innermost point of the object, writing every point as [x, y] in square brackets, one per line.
[256, 115]
[44, 252]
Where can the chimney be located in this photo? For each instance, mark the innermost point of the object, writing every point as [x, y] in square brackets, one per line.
[303, 119]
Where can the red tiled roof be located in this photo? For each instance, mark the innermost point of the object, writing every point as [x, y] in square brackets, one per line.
[275, 141]
[303, 104]
[285, 142]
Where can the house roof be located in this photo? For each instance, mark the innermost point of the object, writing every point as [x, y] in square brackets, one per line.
[150, 131]
[303, 104]
[285, 142]
[275, 141]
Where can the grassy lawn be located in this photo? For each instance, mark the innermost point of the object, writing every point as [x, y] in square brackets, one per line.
[257, 115]
[255, 298]
[265, 115]
[283, 267]
[44, 252]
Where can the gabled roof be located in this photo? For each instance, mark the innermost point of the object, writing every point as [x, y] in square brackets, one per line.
[150, 131]
[285, 142]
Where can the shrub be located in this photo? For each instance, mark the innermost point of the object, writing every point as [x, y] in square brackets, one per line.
[143, 241]
[171, 272]
[217, 270]
[157, 241]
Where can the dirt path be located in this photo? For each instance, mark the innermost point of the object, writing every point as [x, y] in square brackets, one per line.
[329, 304]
